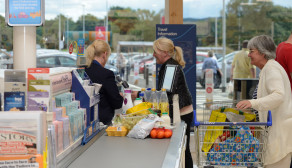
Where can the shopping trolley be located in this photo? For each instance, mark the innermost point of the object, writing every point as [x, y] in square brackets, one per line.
[229, 144]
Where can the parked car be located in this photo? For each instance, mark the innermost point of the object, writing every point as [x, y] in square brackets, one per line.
[112, 59]
[55, 59]
[228, 59]
[112, 68]
[145, 61]
[47, 58]
[200, 56]
[147, 64]
[62, 59]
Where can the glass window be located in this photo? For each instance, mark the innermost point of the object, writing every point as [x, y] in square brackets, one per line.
[129, 20]
[49, 61]
[67, 62]
[200, 58]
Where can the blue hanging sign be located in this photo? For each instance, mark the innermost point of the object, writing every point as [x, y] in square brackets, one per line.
[24, 12]
[184, 36]
[80, 47]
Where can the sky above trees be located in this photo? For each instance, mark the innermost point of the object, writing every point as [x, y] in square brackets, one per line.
[74, 8]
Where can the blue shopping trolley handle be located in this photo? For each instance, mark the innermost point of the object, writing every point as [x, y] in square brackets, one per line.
[195, 119]
[269, 123]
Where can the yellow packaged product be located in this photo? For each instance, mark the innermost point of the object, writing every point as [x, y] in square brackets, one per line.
[116, 131]
[130, 120]
[213, 132]
[141, 108]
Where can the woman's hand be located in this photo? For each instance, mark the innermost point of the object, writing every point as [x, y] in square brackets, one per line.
[243, 104]
[134, 95]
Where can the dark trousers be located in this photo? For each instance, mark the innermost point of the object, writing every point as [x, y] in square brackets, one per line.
[122, 72]
[188, 118]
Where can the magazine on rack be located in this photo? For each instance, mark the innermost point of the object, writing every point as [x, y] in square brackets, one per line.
[22, 133]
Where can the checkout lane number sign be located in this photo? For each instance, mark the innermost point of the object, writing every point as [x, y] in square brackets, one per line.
[24, 12]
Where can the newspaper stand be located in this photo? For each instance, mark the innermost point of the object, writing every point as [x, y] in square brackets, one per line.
[231, 152]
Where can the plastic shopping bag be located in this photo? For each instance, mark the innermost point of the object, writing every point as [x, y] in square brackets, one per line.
[213, 132]
[230, 89]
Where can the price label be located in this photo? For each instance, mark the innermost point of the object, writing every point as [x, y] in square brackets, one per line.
[119, 129]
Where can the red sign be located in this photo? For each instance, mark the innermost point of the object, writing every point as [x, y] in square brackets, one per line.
[100, 32]
[71, 49]
[209, 89]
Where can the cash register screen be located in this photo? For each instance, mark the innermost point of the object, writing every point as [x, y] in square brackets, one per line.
[169, 77]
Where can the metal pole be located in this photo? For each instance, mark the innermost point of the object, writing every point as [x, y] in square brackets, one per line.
[239, 30]
[272, 30]
[83, 22]
[60, 31]
[224, 49]
[216, 34]
[106, 22]
[67, 34]
[24, 47]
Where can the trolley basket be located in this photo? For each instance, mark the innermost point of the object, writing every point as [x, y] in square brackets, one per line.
[229, 144]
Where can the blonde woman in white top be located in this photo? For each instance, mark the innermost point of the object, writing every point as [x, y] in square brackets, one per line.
[274, 93]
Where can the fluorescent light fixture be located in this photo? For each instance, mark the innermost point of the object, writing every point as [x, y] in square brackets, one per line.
[248, 4]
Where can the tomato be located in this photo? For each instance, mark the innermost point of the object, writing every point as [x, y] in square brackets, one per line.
[167, 133]
[160, 134]
[153, 133]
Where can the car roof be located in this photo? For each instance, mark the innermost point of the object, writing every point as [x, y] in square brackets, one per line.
[228, 55]
[201, 52]
[48, 53]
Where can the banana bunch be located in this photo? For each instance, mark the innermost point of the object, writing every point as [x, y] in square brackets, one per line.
[117, 121]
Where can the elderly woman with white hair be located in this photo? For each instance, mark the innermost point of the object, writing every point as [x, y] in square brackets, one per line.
[274, 93]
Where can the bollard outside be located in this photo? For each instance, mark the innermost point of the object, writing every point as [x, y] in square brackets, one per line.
[147, 76]
[144, 71]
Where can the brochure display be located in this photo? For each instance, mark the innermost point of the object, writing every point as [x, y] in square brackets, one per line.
[14, 90]
[69, 104]
[89, 99]
[38, 80]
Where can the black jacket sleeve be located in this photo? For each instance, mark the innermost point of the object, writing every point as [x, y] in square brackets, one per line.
[111, 91]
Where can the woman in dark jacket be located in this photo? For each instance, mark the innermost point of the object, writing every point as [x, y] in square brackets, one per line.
[166, 53]
[110, 99]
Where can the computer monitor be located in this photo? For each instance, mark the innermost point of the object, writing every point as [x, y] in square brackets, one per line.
[169, 77]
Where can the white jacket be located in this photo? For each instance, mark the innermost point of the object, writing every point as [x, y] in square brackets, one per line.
[274, 93]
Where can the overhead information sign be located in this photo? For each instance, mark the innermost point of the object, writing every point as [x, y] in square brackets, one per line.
[24, 12]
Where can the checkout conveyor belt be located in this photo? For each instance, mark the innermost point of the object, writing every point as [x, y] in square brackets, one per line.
[112, 152]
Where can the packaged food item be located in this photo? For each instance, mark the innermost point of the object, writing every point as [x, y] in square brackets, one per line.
[163, 102]
[153, 99]
[141, 108]
[147, 94]
[129, 121]
[144, 126]
[127, 103]
[137, 101]
[142, 94]
[166, 120]
[116, 131]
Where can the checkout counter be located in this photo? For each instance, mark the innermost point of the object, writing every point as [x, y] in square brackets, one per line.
[112, 152]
